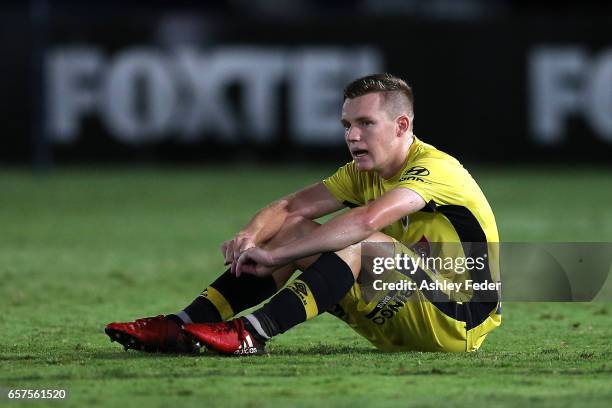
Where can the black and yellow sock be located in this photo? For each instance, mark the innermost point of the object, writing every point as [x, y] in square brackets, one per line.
[319, 288]
[226, 297]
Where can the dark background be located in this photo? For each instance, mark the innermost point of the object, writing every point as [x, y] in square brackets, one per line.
[469, 64]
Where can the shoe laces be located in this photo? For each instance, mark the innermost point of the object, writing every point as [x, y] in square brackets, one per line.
[145, 320]
[232, 326]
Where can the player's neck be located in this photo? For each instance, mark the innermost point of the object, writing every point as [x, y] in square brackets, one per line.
[398, 161]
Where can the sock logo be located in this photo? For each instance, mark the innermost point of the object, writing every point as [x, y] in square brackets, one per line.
[302, 291]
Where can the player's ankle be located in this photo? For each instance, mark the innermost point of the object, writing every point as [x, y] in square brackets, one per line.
[176, 319]
[257, 328]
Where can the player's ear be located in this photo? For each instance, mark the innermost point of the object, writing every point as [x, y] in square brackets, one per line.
[403, 124]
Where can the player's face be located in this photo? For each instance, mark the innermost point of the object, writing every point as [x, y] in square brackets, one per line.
[370, 134]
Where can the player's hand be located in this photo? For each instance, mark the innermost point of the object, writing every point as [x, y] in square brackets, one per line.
[254, 261]
[231, 249]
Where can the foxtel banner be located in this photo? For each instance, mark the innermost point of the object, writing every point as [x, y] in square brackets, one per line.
[143, 95]
[179, 87]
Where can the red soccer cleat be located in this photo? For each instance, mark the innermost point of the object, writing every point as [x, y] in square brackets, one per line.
[226, 337]
[152, 334]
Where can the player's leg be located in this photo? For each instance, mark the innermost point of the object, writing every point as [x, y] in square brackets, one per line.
[401, 318]
[323, 283]
[223, 299]
[227, 296]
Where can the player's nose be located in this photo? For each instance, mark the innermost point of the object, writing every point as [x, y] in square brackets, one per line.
[352, 134]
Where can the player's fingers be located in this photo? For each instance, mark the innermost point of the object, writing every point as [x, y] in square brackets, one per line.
[224, 251]
[262, 270]
[245, 244]
[234, 269]
[245, 264]
[249, 269]
[229, 252]
[239, 262]
[237, 249]
[240, 266]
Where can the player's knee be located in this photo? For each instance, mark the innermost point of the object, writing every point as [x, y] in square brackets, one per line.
[351, 255]
[378, 237]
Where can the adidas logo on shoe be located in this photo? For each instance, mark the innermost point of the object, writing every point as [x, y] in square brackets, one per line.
[247, 347]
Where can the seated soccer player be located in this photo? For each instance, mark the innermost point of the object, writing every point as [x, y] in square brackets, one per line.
[403, 195]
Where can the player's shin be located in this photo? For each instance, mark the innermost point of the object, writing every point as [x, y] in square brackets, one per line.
[226, 297]
[316, 290]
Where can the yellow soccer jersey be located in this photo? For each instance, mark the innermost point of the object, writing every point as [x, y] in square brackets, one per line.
[457, 221]
[456, 210]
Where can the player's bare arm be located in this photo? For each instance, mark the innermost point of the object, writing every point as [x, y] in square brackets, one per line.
[311, 202]
[340, 232]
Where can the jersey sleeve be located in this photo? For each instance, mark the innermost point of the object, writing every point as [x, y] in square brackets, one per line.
[433, 179]
[343, 185]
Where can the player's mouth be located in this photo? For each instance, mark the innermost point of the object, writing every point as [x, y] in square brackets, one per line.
[357, 153]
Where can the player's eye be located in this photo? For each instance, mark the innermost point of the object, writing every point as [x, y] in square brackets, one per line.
[367, 122]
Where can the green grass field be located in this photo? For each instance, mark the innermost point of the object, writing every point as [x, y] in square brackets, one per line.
[86, 246]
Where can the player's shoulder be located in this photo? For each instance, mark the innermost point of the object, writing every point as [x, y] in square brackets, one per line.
[350, 171]
[425, 152]
[425, 159]
[346, 175]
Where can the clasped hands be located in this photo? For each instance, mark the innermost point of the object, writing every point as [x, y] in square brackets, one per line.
[244, 256]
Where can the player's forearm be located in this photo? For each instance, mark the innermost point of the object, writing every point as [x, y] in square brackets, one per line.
[336, 234]
[267, 222]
